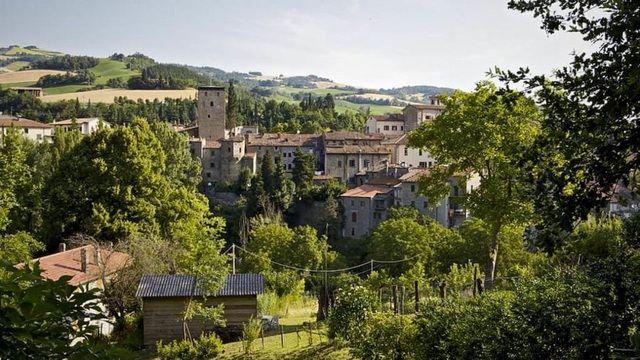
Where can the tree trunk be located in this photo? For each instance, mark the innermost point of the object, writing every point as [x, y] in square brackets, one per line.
[493, 256]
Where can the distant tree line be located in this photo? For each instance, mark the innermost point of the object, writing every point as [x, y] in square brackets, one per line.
[363, 100]
[66, 62]
[82, 77]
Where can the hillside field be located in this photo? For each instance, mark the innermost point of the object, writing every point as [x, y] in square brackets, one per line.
[25, 76]
[107, 95]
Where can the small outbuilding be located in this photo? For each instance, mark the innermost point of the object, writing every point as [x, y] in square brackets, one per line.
[164, 299]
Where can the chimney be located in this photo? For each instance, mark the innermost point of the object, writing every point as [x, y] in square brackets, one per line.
[62, 247]
[97, 256]
[83, 259]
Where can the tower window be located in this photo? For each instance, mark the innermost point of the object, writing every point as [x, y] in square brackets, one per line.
[211, 103]
[209, 116]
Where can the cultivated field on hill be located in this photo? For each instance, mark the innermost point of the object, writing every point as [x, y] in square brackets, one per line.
[25, 76]
[107, 95]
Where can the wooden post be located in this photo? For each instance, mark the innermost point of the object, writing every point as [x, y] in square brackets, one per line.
[298, 335]
[262, 336]
[475, 280]
[417, 294]
[395, 299]
[233, 256]
[282, 335]
[480, 286]
[443, 290]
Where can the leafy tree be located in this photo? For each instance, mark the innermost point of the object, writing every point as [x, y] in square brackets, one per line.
[18, 247]
[232, 106]
[43, 319]
[349, 312]
[180, 168]
[14, 173]
[282, 195]
[303, 171]
[299, 247]
[485, 131]
[590, 107]
[267, 172]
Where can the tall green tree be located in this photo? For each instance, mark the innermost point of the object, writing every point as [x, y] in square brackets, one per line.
[590, 128]
[267, 172]
[180, 168]
[110, 186]
[14, 173]
[303, 171]
[232, 106]
[485, 132]
[282, 195]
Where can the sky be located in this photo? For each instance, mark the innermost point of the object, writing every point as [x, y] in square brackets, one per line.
[364, 43]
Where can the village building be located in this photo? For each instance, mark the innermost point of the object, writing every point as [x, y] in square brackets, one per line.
[32, 130]
[385, 124]
[416, 114]
[86, 126]
[35, 91]
[90, 267]
[365, 207]
[165, 297]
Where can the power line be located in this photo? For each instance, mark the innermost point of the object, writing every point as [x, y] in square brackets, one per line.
[368, 263]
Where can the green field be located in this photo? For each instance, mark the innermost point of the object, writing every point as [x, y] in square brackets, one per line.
[111, 69]
[343, 105]
[17, 65]
[64, 89]
[18, 84]
[19, 50]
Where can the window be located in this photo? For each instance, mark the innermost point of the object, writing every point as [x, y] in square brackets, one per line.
[339, 163]
[420, 152]
[191, 151]
[218, 93]
[354, 217]
[205, 93]
[26, 131]
[289, 166]
[229, 149]
[353, 231]
[208, 175]
[406, 151]
[276, 148]
[386, 127]
[213, 152]
[413, 204]
[430, 164]
[211, 103]
[366, 163]
[401, 128]
[212, 165]
[394, 128]
[455, 191]
[367, 130]
[353, 203]
[39, 136]
[413, 188]
[352, 163]
[425, 204]
[423, 164]
[209, 116]
[361, 203]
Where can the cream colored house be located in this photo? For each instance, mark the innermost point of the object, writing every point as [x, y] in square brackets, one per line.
[30, 129]
[85, 125]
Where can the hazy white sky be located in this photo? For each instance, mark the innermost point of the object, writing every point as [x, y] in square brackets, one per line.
[369, 43]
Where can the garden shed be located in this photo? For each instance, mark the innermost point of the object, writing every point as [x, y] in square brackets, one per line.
[164, 298]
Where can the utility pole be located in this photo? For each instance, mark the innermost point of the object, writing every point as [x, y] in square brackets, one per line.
[233, 256]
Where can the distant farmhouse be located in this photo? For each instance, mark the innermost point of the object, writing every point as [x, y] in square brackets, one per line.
[86, 126]
[30, 129]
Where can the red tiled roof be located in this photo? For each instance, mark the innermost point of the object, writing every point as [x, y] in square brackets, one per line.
[69, 263]
[302, 140]
[427, 107]
[357, 149]
[7, 121]
[414, 175]
[70, 121]
[351, 135]
[367, 191]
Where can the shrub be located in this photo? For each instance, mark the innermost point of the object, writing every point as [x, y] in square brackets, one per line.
[250, 333]
[387, 337]
[203, 348]
[349, 312]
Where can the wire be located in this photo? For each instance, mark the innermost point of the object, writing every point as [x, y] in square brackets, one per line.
[368, 263]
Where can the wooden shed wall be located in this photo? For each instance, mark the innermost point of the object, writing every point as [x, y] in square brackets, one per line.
[162, 316]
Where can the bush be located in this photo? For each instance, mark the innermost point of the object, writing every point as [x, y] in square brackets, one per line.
[250, 333]
[206, 347]
[349, 312]
[387, 337]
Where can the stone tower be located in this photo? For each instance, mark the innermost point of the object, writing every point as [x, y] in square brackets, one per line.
[211, 112]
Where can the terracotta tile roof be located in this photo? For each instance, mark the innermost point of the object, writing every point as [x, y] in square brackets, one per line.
[426, 107]
[414, 175]
[351, 135]
[185, 285]
[7, 121]
[69, 263]
[302, 140]
[367, 191]
[391, 117]
[386, 181]
[357, 149]
[322, 177]
[212, 144]
[78, 121]
[396, 140]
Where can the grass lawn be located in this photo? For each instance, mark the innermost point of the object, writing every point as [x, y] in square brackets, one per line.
[297, 343]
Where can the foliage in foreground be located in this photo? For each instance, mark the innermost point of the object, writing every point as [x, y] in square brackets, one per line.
[203, 348]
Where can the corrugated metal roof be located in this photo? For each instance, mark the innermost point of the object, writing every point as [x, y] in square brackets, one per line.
[185, 285]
